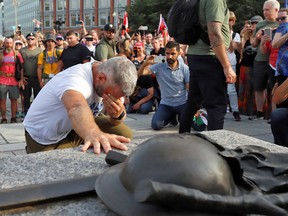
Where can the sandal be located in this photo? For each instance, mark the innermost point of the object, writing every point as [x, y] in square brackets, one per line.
[4, 121]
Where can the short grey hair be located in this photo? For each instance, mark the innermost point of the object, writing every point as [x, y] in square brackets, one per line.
[122, 71]
[275, 4]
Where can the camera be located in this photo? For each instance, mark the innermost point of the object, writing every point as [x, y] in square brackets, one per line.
[78, 22]
[160, 59]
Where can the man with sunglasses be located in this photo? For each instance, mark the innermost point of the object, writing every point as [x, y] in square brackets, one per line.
[30, 55]
[106, 48]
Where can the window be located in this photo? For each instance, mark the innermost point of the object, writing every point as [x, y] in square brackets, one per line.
[88, 4]
[74, 5]
[104, 4]
[74, 17]
[47, 21]
[104, 17]
[89, 19]
[61, 5]
[48, 5]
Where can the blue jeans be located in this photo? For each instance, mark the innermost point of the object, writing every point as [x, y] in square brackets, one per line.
[145, 108]
[164, 115]
[279, 126]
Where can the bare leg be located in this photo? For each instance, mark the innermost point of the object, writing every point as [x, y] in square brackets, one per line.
[260, 99]
[13, 108]
[3, 108]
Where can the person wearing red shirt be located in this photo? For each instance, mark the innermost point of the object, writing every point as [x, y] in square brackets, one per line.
[8, 82]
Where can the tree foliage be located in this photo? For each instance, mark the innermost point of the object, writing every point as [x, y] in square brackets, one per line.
[147, 12]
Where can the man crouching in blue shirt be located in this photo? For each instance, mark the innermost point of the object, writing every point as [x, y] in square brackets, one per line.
[173, 79]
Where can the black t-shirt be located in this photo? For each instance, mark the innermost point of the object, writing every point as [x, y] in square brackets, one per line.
[75, 55]
[249, 54]
[145, 81]
[160, 52]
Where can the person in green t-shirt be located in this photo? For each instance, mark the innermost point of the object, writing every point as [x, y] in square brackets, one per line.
[210, 69]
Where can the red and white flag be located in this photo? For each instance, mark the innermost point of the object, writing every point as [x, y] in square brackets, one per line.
[162, 25]
[125, 22]
[37, 23]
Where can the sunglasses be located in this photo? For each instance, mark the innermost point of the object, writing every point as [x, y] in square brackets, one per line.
[231, 20]
[30, 38]
[254, 23]
[18, 44]
[281, 18]
[59, 39]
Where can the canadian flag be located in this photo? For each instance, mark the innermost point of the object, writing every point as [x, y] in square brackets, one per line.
[125, 20]
[125, 23]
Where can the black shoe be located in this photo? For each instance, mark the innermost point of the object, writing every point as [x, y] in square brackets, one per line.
[4, 121]
[236, 116]
[13, 120]
[174, 121]
[259, 116]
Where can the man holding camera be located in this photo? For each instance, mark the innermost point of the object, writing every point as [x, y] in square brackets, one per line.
[261, 69]
[106, 48]
[173, 78]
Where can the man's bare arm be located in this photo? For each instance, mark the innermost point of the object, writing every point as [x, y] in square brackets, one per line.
[84, 124]
[218, 46]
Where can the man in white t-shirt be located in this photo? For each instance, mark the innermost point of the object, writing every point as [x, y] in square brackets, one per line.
[234, 45]
[61, 117]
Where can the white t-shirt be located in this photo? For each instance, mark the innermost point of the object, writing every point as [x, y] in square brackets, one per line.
[47, 120]
[232, 55]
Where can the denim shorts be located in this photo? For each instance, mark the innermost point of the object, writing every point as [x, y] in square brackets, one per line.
[12, 90]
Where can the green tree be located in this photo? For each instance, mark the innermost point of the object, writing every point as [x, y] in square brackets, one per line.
[147, 12]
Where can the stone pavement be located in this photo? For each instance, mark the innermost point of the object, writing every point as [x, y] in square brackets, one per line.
[12, 140]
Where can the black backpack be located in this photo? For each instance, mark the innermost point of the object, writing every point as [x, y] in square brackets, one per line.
[183, 22]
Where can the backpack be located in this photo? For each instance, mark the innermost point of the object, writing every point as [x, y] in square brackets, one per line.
[57, 51]
[183, 22]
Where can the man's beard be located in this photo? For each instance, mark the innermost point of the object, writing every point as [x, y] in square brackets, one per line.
[99, 90]
[110, 37]
[171, 61]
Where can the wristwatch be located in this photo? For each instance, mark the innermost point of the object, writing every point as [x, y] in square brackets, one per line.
[120, 117]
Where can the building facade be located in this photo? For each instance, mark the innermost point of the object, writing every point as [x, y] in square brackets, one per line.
[42, 15]
[19, 12]
[68, 13]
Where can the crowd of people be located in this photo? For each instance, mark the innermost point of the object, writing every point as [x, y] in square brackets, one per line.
[236, 72]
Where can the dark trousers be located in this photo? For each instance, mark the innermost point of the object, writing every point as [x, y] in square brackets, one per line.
[207, 88]
[32, 83]
[279, 126]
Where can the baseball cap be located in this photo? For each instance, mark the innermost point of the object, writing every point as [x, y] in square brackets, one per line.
[109, 27]
[31, 34]
[138, 45]
[256, 19]
[18, 41]
[59, 37]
